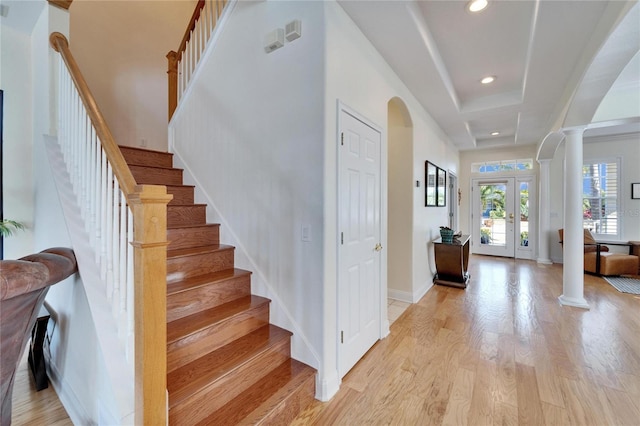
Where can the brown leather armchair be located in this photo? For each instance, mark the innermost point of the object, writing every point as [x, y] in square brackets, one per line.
[23, 286]
[600, 261]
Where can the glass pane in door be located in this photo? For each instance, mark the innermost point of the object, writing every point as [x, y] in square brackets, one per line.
[524, 214]
[493, 227]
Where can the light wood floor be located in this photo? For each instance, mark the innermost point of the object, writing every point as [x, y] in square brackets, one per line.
[501, 352]
[35, 408]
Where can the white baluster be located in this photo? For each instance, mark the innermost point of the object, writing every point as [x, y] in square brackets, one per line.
[130, 289]
[103, 216]
[122, 309]
[116, 248]
[108, 231]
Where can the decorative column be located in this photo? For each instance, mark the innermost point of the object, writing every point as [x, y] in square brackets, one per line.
[544, 209]
[573, 245]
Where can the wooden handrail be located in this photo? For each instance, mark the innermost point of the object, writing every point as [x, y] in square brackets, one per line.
[148, 204]
[190, 27]
[120, 168]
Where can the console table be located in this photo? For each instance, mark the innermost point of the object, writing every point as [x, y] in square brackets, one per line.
[452, 262]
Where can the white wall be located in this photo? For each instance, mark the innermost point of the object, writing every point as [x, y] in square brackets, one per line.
[625, 147]
[17, 180]
[400, 198]
[359, 77]
[120, 47]
[262, 148]
[251, 132]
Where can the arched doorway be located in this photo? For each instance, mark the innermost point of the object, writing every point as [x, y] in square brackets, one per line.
[400, 201]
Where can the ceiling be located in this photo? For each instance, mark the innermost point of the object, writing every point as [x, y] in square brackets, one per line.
[538, 50]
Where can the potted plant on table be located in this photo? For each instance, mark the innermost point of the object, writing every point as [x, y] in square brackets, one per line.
[447, 234]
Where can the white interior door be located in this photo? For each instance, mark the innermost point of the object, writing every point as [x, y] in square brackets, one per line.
[493, 216]
[359, 307]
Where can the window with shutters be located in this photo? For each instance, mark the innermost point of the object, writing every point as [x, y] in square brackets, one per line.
[600, 186]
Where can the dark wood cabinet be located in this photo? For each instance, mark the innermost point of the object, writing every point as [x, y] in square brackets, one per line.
[452, 262]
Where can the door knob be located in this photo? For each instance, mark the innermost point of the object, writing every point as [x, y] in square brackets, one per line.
[378, 247]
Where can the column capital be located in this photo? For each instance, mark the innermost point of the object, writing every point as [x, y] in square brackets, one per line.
[574, 130]
[545, 161]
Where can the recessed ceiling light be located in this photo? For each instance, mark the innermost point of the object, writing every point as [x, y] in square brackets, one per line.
[477, 5]
[495, 133]
[488, 79]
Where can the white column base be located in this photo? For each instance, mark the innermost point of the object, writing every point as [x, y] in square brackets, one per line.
[572, 301]
[544, 261]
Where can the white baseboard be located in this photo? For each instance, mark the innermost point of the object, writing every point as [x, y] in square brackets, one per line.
[419, 293]
[67, 397]
[327, 387]
[403, 296]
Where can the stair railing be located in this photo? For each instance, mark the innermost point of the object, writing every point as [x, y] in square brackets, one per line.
[182, 63]
[127, 225]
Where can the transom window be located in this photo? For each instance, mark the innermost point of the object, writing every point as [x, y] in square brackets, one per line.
[502, 166]
[600, 186]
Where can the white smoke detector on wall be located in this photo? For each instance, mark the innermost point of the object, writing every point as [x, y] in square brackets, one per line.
[274, 40]
[293, 30]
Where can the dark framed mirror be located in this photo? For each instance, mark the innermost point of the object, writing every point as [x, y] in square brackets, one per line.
[441, 188]
[430, 181]
[435, 185]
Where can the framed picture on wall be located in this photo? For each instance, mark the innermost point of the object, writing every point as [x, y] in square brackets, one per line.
[441, 189]
[430, 179]
[435, 188]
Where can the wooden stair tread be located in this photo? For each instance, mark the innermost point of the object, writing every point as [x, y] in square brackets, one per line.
[207, 369]
[265, 396]
[137, 148]
[186, 205]
[200, 280]
[180, 186]
[160, 168]
[171, 254]
[191, 324]
[187, 226]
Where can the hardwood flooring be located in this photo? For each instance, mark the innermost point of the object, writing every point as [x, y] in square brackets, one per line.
[503, 351]
[35, 408]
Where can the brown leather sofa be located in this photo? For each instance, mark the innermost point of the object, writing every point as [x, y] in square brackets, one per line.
[600, 261]
[23, 286]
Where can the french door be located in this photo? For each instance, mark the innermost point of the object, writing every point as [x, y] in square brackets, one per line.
[503, 216]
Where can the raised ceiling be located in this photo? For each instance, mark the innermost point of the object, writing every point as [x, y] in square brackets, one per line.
[538, 50]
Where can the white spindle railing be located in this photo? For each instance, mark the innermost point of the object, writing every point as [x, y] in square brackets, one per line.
[183, 63]
[128, 271]
[196, 41]
[103, 206]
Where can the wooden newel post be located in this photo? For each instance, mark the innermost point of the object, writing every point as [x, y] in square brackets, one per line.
[172, 72]
[149, 206]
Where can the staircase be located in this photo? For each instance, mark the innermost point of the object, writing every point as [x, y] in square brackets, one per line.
[226, 364]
